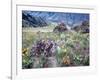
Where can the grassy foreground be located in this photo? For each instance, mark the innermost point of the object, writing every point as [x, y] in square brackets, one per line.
[73, 48]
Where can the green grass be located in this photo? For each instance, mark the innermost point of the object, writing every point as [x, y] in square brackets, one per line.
[74, 46]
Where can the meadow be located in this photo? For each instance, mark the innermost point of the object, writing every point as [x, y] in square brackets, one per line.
[69, 48]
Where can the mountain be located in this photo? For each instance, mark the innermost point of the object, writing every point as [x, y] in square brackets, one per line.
[42, 18]
[32, 21]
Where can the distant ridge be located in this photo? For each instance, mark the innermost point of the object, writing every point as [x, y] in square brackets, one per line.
[40, 18]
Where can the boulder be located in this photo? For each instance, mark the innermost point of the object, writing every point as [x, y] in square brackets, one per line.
[84, 27]
[60, 28]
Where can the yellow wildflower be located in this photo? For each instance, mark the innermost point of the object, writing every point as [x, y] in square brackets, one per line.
[66, 60]
[24, 51]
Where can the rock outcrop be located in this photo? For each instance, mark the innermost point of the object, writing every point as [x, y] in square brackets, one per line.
[84, 27]
[60, 28]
